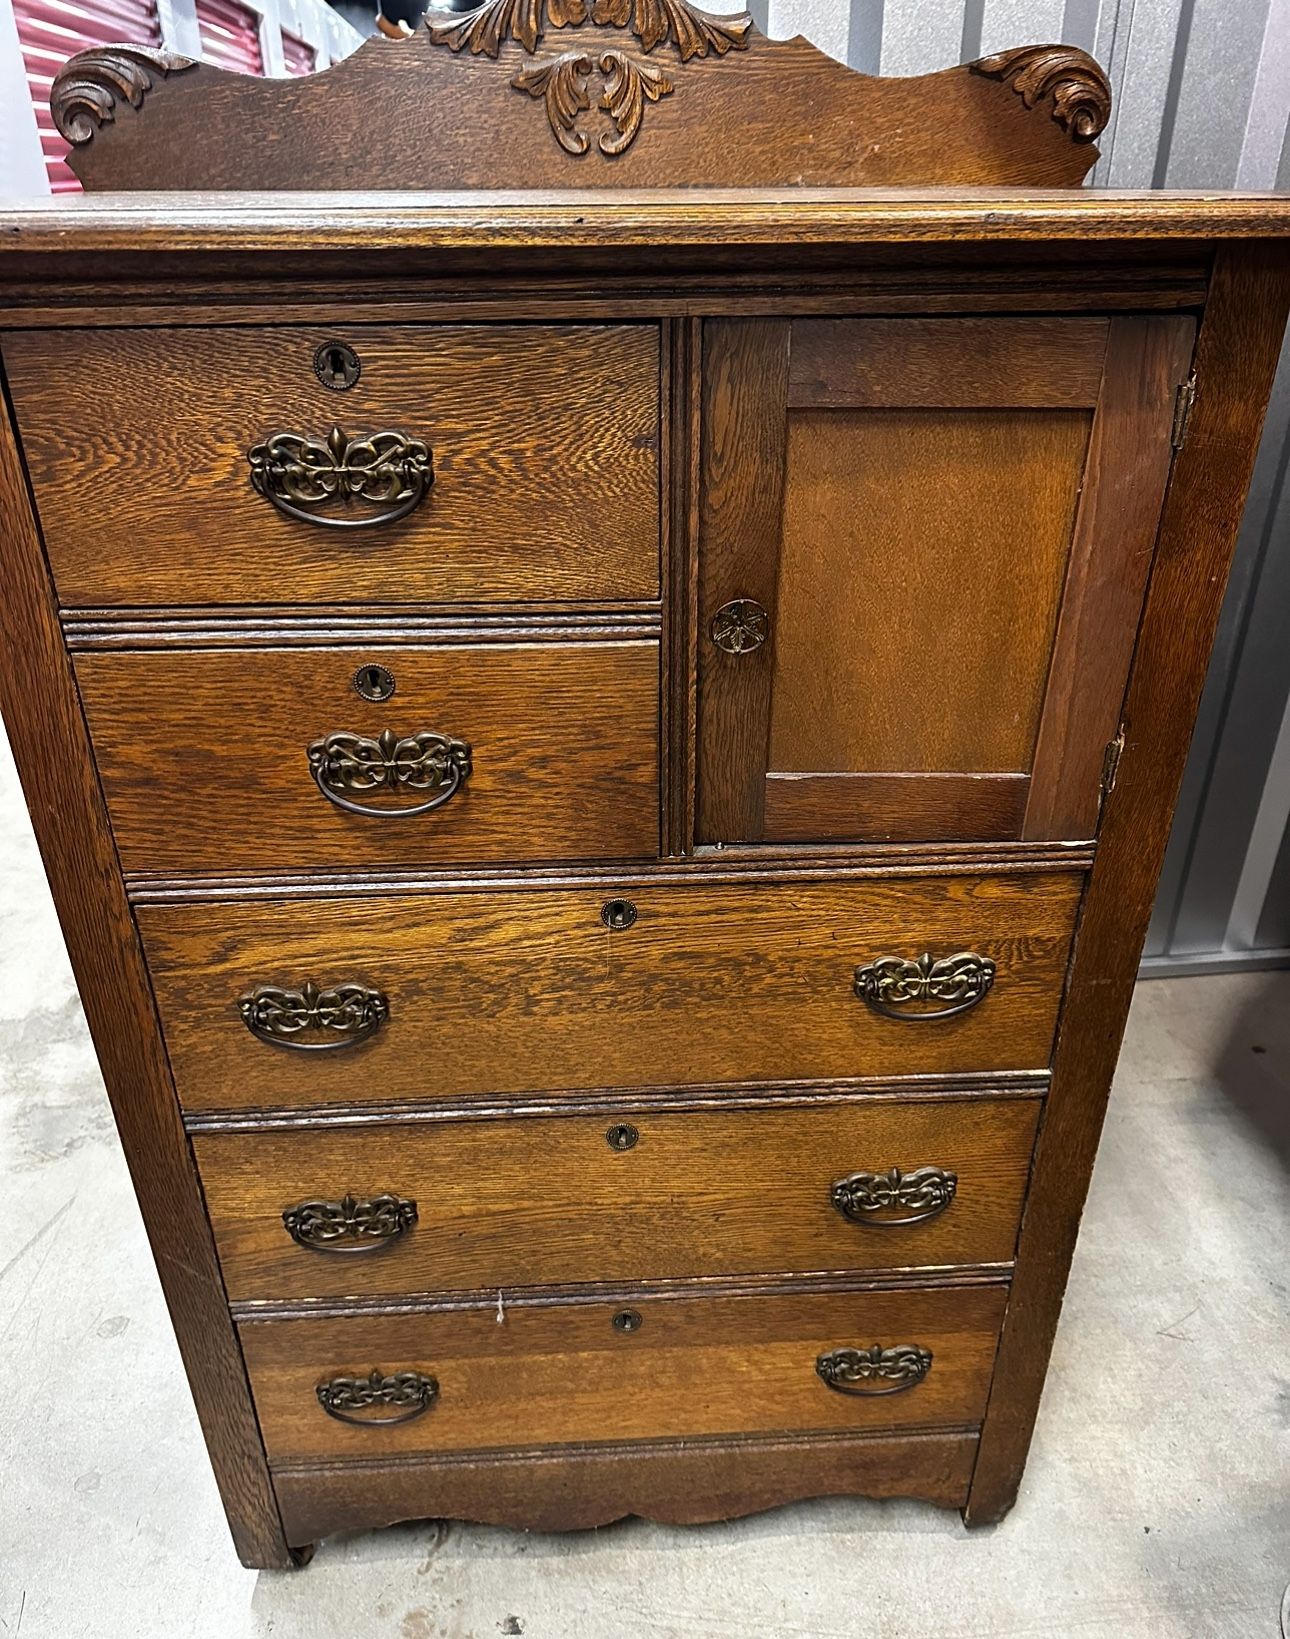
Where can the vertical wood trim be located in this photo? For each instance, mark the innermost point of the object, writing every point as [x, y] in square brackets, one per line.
[681, 367]
[71, 826]
[1127, 467]
[744, 432]
[1237, 351]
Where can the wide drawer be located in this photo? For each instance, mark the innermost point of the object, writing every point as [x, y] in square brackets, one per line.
[651, 1367]
[540, 479]
[510, 991]
[232, 760]
[638, 1196]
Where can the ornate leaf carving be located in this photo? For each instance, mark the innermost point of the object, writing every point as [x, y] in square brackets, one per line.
[562, 83]
[628, 85]
[484, 30]
[1080, 91]
[695, 32]
[88, 87]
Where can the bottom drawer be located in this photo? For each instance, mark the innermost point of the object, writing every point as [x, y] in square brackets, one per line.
[650, 1368]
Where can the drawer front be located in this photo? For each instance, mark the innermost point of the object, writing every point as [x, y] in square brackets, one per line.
[263, 760]
[541, 440]
[526, 991]
[637, 1196]
[565, 1373]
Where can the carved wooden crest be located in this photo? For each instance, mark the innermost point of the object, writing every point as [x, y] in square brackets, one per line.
[451, 107]
[564, 82]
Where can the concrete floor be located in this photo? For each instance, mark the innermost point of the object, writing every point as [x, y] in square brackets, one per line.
[1155, 1505]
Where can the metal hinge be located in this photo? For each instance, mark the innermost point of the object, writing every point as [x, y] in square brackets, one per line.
[1184, 399]
[1111, 764]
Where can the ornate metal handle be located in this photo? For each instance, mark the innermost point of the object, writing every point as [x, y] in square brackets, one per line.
[350, 1225]
[297, 474]
[415, 762]
[313, 1020]
[893, 986]
[410, 1393]
[889, 1371]
[917, 1195]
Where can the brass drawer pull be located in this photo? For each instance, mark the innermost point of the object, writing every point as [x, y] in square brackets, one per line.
[415, 762]
[350, 1225]
[312, 1020]
[411, 1394]
[918, 1196]
[889, 1371]
[893, 986]
[297, 474]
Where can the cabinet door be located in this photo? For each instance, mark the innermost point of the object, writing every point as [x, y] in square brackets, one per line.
[923, 548]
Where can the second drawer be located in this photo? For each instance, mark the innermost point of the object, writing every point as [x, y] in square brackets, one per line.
[267, 760]
[640, 1196]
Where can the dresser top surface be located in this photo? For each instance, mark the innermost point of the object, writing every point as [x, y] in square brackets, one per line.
[643, 218]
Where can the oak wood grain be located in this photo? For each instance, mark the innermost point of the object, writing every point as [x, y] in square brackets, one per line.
[889, 807]
[539, 1202]
[680, 1482]
[1237, 350]
[959, 363]
[741, 110]
[1129, 456]
[563, 1375]
[76, 848]
[203, 753]
[544, 442]
[513, 991]
[741, 491]
[921, 569]
[139, 225]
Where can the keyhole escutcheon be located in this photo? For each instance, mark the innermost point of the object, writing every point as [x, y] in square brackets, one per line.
[337, 366]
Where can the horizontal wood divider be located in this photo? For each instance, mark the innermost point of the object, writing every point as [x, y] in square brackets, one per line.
[608, 1101]
[1093, 284]
[824, 1282]
[267, 627]
[717, 866]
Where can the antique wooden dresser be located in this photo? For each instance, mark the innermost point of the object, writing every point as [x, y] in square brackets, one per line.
[603, 750]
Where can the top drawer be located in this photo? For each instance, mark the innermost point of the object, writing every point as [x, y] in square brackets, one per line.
[543, 451]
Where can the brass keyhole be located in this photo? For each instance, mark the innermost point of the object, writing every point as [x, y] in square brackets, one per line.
[627, 1320]
[374, 682]
[621, 1136]
[618, 914]
[337, 366]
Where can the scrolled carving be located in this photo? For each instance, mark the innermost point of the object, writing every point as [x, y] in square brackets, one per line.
[485, 30]
[88, 87]
[1080, 90]
[563, 84]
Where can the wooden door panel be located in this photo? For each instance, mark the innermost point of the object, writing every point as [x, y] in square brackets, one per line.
[949, 523]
